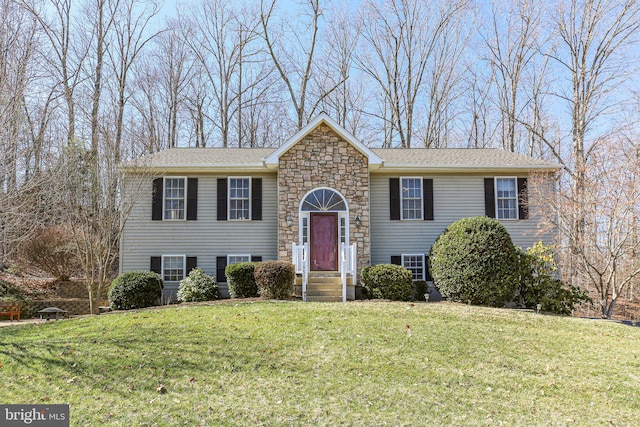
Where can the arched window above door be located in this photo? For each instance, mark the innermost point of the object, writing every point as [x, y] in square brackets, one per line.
[323, 200]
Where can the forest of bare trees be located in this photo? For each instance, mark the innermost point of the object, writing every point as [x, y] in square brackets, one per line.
[88, 84]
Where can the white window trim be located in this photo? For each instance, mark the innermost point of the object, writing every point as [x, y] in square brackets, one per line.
[238, 256]
[402, 256]
[184, 267]
[420, 179]
[495, 197]
[164, 198]
[229, 197]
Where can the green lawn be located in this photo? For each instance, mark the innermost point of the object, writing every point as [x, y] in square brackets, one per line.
[294, 363]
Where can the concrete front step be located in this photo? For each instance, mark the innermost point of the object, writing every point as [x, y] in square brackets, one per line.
[325, 280]
[324, 274]
[323, 286]
[327, 293]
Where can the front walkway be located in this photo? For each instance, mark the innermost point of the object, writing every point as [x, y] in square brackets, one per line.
[7, 322]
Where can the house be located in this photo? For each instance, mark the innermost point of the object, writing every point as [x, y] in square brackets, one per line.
[324, 201]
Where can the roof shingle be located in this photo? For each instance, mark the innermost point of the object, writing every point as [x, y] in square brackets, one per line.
[243, 159]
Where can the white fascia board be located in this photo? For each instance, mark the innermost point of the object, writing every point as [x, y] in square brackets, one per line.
[467, 168]
[200, 168]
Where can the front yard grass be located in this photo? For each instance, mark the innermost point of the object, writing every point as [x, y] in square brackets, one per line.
[294, 363]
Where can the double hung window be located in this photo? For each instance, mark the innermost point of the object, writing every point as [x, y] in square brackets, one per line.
[506, 198]
[411, 196]
[174, 198]
[239, 198]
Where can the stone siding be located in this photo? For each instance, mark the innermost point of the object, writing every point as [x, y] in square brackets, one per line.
[323, 159]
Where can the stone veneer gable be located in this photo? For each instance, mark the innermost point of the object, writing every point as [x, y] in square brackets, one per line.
[323, 159]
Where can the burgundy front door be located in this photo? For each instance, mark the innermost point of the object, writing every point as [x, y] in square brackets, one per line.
[324, 241]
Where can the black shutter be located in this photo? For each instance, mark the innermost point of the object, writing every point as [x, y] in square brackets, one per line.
[192, 262]
[396, 259]
[222, 199]
[156, 264]
[156, 204]
[427, 199]
[221, 264]
[523, 199]
[192, 199]
[489, 198]
[394, 198]
[256, 258]
[256, 199]
[427, 269]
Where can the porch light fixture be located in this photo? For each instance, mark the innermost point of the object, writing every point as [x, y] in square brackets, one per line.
[358, 221]
[289, 220]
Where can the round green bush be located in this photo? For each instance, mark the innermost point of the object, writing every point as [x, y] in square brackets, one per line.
[198, 286]
[240, 280]
[275, 279]
[387, 281]
[135, 289]
[474, 261]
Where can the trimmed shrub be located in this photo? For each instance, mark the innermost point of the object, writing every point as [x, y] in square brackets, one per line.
[275, 279]
[198, 286]
[539, 286]
[420, 288]
[135, 289]
[387, 281]
[52, 251]
[474, 261]
[241, 280]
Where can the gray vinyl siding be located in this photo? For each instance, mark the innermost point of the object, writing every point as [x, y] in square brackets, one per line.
[455, 197]
[206, 237]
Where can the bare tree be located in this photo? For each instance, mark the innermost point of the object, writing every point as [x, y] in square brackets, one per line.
[17, 47]
[445, 77]
[593, 39]
[147, 102]
[64, 53]
[478, 111]
[131, 23]
[220, 37]
[345, 93]
[174, 60]
[96, 230]
[400, 40]
[607, 263]
[512, 42]
[296, 69]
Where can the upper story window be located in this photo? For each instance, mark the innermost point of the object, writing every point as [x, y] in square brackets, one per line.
[411, 198]
[239, 198]
[174, 198]
[506, 198]
[173, 267]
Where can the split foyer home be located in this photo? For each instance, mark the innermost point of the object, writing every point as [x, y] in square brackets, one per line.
[322, 200]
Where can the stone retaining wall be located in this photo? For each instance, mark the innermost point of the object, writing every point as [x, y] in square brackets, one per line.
[71, 296]
[75, 289]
